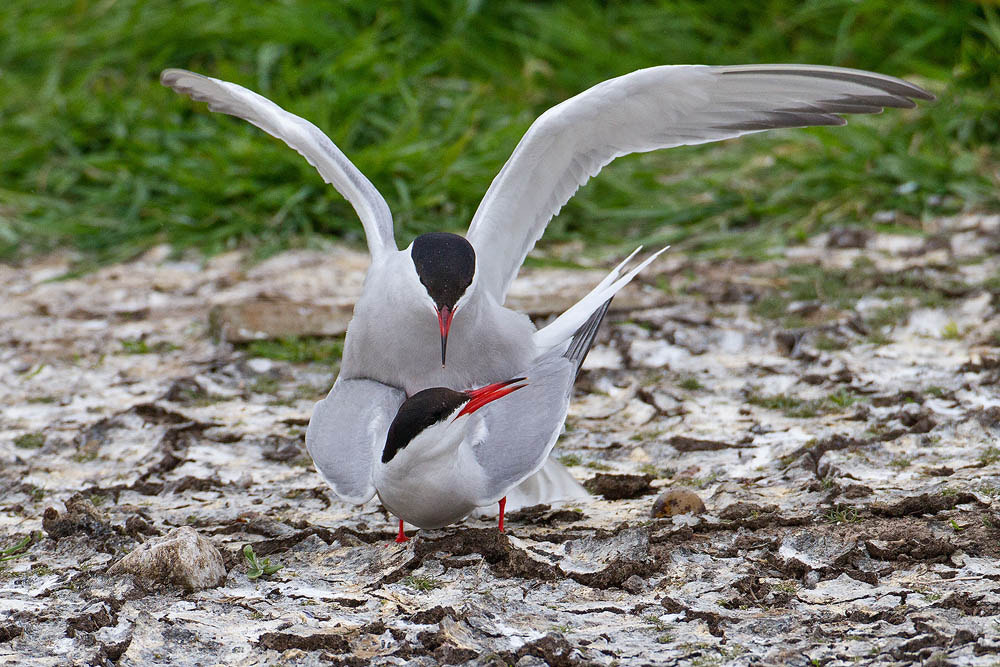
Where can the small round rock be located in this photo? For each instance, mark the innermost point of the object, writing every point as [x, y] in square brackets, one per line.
[677, 501]
[635, 584]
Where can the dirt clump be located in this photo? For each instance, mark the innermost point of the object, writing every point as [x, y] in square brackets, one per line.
[619, 487]
[81, 516]
[283, 641]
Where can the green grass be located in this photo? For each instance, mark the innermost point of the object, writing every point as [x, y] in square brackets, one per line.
[570, 460]
[951, 332]
[29, 441]
[843, 514]
[990, 456]
[829, 343]
[140, 346]
[690, 383]
[298, 349]
[843, 288]
[12, 552]
[800, 408]
[900, 463]
[422, 584]
[429, 98]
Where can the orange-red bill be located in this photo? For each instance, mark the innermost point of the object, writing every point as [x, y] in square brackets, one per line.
[444, 319]
[491, 392]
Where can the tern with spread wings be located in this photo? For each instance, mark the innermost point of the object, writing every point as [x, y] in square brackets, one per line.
[432, 314]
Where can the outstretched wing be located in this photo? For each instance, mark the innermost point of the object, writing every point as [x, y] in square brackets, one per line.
[347, 432]
[654, 108]
[304, 137]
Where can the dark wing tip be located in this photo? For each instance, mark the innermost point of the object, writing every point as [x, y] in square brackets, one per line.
[584, 337]
[170, 76]
[885, 83]
[773, 120]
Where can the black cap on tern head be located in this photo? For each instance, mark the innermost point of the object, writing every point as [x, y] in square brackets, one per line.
[418, 412]
[446, 264]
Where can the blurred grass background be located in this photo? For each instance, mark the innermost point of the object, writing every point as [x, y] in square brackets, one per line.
[429, 98]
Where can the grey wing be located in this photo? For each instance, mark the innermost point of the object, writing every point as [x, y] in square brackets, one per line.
[649, 109]
[517, 432]
[347, 432]
[304, 137]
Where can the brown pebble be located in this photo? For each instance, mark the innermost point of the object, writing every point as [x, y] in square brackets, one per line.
[677, 501]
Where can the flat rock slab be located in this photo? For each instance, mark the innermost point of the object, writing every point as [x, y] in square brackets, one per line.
[835, 411]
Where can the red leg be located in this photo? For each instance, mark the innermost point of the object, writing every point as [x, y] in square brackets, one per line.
[402, 536]
[503, 505]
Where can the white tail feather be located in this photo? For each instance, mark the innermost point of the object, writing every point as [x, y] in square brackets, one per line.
[562, 328]
[552, 485]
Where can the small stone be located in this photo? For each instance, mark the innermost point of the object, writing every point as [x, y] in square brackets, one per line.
[659, 354]
[258, 318]
[677, 501]
[848, 237]
[634, 584]
[10, 631]
[806, 550]
[260, 365]
[181, 557]
[135, 525]
[638, 413]
[184, 390]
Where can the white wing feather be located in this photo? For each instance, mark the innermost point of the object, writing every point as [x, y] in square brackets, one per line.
[347, 432]
[649, 109]
[304, 137]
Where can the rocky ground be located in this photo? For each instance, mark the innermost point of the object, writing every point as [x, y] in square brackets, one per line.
[837, 410]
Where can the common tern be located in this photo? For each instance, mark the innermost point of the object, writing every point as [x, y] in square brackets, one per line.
[446, 453]
[432, 314]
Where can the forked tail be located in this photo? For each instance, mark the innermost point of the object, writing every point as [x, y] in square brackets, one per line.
[580, 321]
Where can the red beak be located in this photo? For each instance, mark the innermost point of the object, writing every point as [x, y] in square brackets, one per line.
[491, 392]
[444, 319]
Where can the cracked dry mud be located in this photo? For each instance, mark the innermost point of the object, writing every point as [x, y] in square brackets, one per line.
[837, 409]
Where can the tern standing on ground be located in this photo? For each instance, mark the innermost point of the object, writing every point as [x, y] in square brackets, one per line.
[436, 456]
